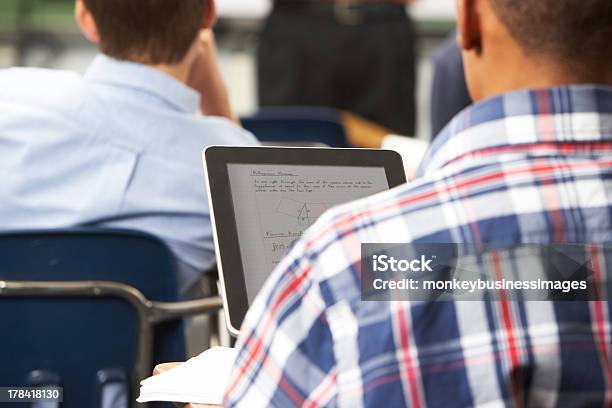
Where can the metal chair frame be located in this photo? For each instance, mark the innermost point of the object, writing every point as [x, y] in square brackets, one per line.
[149, 313]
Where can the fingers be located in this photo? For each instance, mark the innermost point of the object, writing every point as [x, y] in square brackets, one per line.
[161, 368]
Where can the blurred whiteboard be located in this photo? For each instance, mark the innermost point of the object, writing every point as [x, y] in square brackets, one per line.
[433, 10]
[249, 9]
[258, 9]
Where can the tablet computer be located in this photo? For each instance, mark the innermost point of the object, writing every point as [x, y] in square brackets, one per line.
[262, 199]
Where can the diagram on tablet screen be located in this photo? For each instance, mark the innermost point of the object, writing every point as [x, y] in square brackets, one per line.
[275, 204]
[304, 213]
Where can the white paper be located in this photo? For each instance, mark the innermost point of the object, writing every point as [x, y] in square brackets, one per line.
[200, 380]
[412, 151]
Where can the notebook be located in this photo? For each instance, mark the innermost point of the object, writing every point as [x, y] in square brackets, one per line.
[200, 380]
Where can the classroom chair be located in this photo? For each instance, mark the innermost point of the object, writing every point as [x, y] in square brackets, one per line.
[91, 310]
[297, 125]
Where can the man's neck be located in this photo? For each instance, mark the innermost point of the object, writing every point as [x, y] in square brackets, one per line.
[180, 71]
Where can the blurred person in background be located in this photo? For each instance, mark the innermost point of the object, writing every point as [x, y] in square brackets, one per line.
[449, 93]
[121, 146]
[353, 55]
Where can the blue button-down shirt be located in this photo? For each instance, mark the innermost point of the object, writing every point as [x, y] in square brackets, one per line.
[120, 147]
[525, 167]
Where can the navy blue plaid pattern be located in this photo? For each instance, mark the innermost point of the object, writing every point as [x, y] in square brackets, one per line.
[525, 167]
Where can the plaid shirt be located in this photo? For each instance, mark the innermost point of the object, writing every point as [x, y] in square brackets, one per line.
[525, 167]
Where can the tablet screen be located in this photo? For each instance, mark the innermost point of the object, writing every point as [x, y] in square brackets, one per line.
[275, 204]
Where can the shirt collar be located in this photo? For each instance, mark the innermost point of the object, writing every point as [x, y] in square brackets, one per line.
[576, 113]
[128, 74]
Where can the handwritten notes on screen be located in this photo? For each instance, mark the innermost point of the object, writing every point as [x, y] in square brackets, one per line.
[274, 205]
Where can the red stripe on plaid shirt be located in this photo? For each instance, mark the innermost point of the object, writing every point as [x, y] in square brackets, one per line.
[412, 373]
[550, 191]
[515, 362]
[255, 346]
[544, 117]
[322, 393]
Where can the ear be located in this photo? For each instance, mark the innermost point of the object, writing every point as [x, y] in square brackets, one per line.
[210, 15]
[468, 25]
[86, 22]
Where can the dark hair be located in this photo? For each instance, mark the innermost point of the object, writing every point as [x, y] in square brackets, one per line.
[147, 31]
[578, 32]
